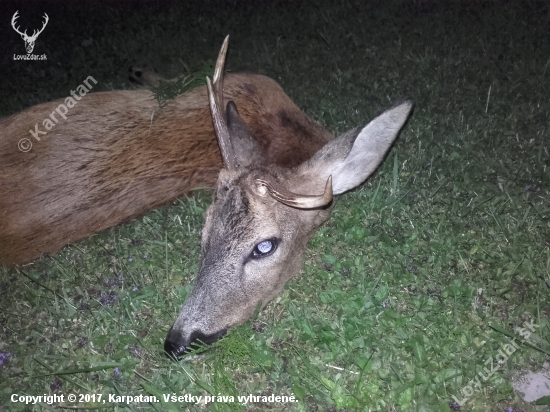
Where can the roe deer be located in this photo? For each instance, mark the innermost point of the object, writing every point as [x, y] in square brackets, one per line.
[262, 215]
[117, 156]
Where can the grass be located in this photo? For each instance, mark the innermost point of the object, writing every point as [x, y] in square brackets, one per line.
[418, 280]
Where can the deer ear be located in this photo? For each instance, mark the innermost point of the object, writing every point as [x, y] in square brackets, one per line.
[247, 150]
[352, 157]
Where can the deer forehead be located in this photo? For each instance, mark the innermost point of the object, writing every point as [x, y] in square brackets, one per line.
[237, 215]
[241, 212]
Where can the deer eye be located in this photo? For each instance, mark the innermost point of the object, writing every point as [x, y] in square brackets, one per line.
[264, 248]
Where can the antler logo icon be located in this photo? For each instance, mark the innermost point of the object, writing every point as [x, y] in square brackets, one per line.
[29, 40]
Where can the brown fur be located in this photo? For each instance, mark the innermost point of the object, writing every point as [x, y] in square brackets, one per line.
[110, 162]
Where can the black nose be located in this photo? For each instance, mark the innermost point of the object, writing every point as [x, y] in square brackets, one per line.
[176, 345]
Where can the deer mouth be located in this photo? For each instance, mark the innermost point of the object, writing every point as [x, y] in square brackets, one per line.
[176, 345]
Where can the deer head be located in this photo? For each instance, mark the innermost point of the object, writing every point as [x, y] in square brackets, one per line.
[29, 40]
[262, 216]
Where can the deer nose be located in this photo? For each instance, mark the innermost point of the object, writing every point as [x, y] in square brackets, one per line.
[176, 344]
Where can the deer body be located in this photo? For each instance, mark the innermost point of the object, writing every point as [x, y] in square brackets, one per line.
[118, 155]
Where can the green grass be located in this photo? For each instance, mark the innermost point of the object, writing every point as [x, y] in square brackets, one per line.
[421, 275]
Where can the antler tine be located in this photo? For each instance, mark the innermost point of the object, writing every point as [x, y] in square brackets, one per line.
[288, 198]
[218, 71]
[219, 118]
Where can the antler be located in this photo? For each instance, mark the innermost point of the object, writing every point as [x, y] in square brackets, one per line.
[36, 33]
[13, 19]
[219, 118]
[286, 197]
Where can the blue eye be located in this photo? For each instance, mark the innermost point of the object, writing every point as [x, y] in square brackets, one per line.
[264, 248]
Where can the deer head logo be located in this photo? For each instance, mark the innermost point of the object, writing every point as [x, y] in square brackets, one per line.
[29, 40]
